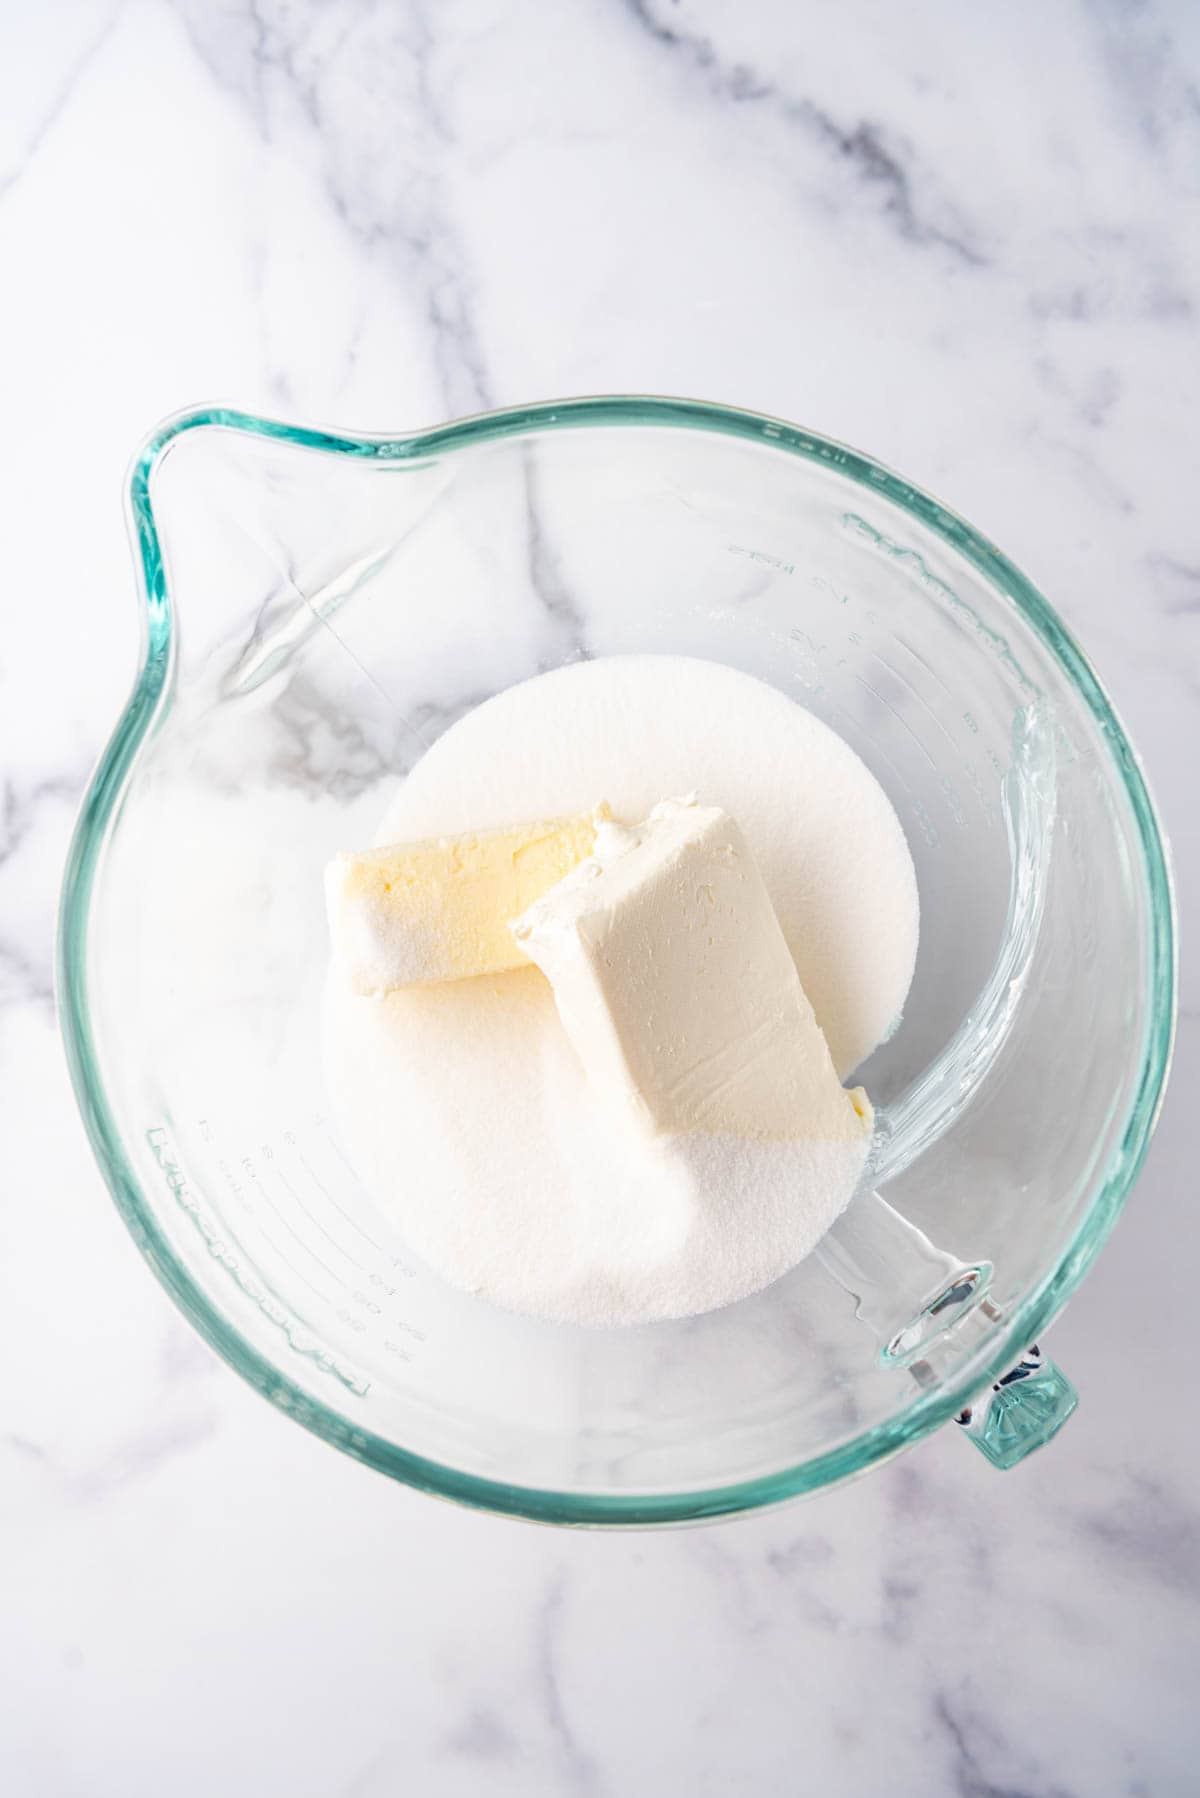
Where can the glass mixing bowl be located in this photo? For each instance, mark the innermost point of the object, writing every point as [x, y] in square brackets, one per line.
[317, 608]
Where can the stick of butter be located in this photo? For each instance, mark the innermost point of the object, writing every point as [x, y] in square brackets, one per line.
[415, 913]
[676, 986]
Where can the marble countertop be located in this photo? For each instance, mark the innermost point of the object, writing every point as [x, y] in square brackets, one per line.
[965, 238]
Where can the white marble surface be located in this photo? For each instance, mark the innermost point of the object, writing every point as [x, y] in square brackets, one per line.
[965, 238]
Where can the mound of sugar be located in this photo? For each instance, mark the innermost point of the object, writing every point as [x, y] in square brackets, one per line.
[464, 1105]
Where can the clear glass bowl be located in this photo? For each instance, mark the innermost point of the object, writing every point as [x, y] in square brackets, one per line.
[317, 609]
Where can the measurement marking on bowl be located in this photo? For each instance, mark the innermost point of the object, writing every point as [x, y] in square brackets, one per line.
[258, 1219]
[953, 801]
[344, 1296]
[325, 1297]
[380, 1309]
[921, 661]
[397, 1262]
[290, 1139]
[902, 722]
[915, 564]
[920, 701]
[843, 599]
[316, 1222]
[928, 831]
[926, 825]
[299, 1336]
[759, 555]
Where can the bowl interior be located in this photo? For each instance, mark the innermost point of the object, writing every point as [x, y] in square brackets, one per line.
[319, 611]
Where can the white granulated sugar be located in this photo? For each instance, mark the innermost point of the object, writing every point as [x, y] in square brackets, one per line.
[463, 1104]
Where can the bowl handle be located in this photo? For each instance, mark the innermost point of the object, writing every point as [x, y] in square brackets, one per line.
[1021, 1412]
[919, 1302]
[906, 1291]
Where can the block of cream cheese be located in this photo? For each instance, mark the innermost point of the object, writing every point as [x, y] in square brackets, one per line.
[415, 913]
[675, 985]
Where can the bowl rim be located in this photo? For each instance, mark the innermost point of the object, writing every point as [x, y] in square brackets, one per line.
[926, 1411]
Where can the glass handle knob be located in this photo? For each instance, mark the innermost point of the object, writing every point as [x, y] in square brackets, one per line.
[1021, 1412]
